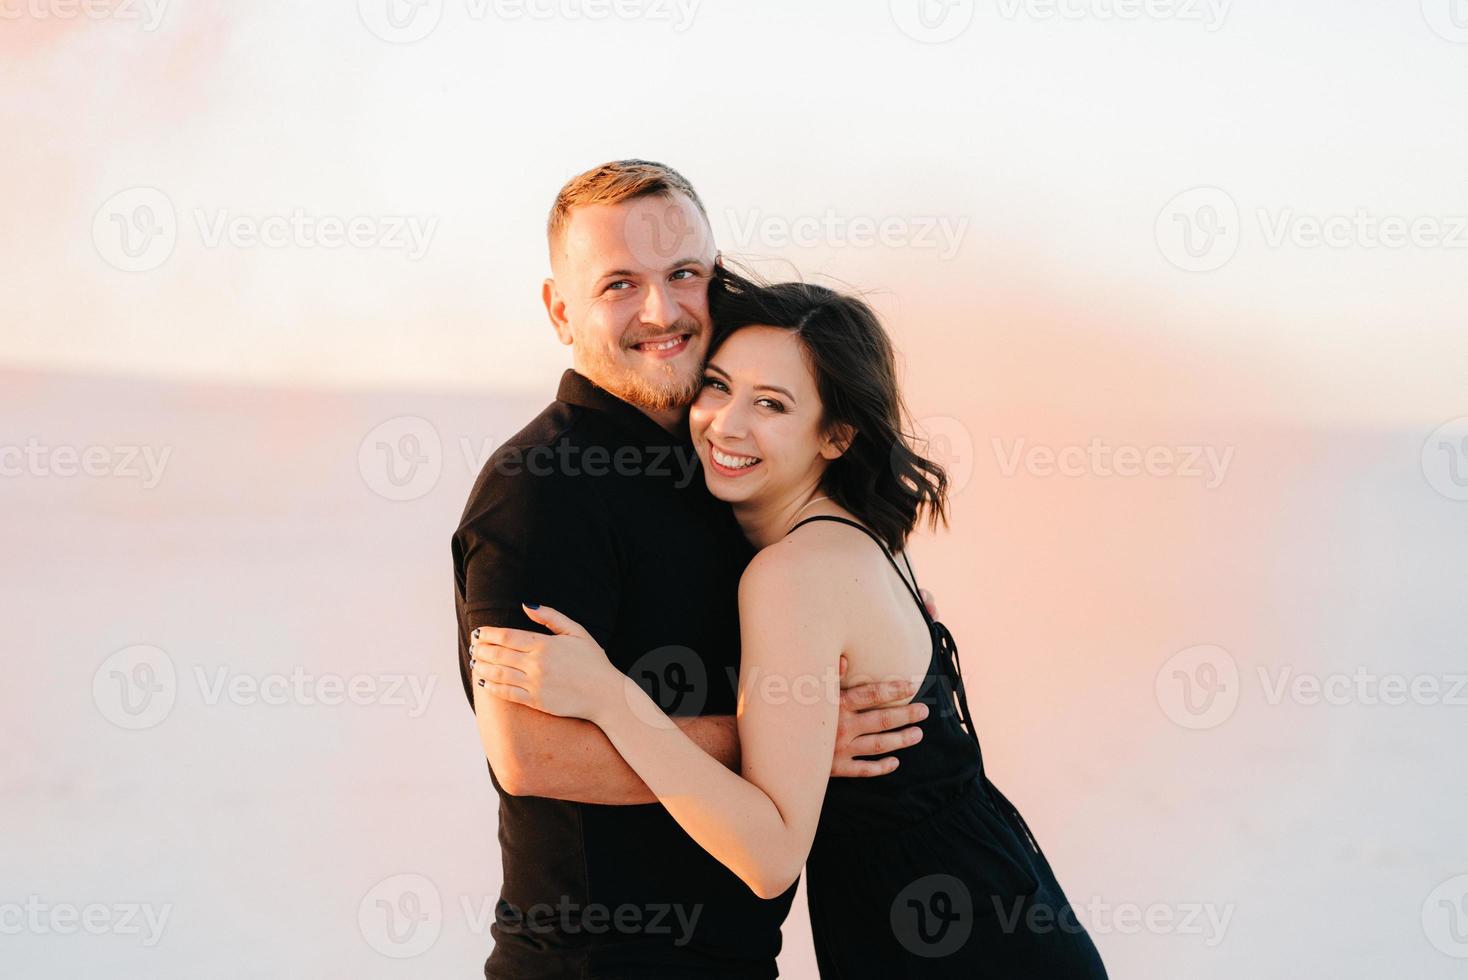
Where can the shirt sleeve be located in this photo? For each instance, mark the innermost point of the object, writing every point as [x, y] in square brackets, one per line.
[544, 538]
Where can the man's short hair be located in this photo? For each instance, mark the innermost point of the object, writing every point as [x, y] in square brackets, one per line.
[613, 183]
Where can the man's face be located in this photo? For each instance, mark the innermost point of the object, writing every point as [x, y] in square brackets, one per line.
[630, 294]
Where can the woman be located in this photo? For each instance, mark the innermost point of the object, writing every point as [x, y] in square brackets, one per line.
[924, 871]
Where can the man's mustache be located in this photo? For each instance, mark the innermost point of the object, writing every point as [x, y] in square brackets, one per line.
[690, 327]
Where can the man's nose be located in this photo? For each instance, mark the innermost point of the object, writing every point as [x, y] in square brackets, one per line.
[660, 309]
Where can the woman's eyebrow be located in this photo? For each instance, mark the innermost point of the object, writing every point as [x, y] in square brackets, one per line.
[711, 366]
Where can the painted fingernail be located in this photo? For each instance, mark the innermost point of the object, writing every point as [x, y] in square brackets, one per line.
[480, 682]
[475, 635]
[472, 662]
[532, 605]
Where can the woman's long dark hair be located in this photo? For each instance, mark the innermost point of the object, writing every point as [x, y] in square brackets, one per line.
[880, 478]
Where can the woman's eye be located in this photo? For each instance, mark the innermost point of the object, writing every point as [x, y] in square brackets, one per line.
[714, 383]
[771, 404]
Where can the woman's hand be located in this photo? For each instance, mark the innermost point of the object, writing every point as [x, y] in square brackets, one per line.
[566, 674]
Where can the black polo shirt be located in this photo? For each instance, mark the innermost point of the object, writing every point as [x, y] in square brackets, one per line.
[596, 510]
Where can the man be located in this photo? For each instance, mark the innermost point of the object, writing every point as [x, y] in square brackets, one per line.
[598, 508]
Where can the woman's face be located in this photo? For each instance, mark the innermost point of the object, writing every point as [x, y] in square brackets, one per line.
[756, 423]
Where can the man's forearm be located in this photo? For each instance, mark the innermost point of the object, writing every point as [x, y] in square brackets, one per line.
[537, 754]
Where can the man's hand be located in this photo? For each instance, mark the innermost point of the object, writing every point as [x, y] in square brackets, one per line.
[867, 728]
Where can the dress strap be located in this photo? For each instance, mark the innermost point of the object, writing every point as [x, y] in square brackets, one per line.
[952, 668]
[911, 586]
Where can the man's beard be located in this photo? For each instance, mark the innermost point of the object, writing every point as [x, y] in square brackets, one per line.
[667, 392]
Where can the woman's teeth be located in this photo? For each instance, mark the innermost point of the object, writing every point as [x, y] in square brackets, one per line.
[733, 462]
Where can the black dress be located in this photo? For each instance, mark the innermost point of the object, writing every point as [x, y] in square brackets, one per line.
[929, 871]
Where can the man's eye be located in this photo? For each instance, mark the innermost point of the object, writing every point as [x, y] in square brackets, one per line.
[620, 283]
[684, 274]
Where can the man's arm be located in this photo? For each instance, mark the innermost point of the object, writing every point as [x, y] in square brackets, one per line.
[536, 754]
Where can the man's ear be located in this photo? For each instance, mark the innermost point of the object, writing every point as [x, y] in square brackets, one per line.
[555, 308]
[837, 440]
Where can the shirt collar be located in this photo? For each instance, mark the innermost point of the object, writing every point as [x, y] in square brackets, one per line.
[577, 389]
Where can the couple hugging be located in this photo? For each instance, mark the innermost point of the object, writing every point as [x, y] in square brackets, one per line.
[698, 656]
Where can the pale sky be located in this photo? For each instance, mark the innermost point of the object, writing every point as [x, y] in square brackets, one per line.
[1023, 168]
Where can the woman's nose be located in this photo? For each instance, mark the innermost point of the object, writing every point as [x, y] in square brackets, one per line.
[729, 421]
